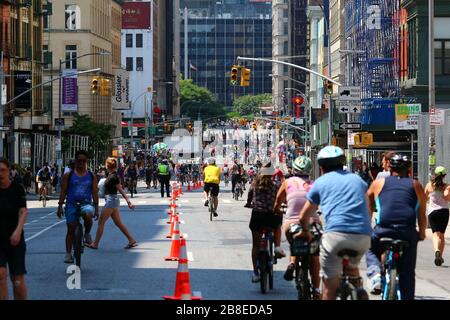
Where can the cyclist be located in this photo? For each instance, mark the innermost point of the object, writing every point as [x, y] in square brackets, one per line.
[131, 173]
[251, 175]
[212, 181]
[226, 173]
[342, 199]
[400, 202]
[80, 185]
[293, 193]
[235, 175]
[438, 196]
[44, 178]
[263, 194]
[195, 173]
[386, 165]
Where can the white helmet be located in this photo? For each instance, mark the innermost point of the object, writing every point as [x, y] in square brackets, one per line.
[211, 161]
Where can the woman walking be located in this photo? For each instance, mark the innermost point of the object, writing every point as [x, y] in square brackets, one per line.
[112, 206]
[438, 196]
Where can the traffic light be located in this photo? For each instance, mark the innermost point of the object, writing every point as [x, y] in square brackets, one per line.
[189, 126]
[94, 86]
[105, 87]
[254, 126]
[329, 87]
[234, 75]
[298, 100]
[245, 77]
[166, 127]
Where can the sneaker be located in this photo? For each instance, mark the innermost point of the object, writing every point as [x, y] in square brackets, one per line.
[206, 203]
[289, 274]
[87, 239]
[256, 278]
[375, 284]
[68, 258]
[215, 213]
[279, 253]
[438, 261]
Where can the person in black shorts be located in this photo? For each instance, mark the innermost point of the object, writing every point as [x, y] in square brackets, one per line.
[13, 216]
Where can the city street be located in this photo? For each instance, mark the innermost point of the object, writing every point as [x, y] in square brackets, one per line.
[219, 254]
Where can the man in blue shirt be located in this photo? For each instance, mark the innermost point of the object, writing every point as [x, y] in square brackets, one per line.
[343, 202]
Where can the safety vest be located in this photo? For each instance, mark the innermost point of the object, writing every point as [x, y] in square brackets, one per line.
[163, 169]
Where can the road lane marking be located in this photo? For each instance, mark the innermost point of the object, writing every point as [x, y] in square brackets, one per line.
[226, 201]
[45, 230]
[185, 236]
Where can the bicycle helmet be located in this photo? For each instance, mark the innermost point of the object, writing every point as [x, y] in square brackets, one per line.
[400, 162]
[302, 165]
[211, 161]
[331, 156]
[440, 171]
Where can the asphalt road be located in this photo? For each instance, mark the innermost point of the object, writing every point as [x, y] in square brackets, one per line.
[219, 252]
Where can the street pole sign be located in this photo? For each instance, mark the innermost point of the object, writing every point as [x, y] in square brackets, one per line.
[349, 93]
[350, 126]
[349, 109]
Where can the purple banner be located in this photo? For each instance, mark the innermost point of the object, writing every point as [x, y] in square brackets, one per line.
[69, 92]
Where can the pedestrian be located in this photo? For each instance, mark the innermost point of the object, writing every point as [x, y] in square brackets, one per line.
[27, 179]
[385, 162]
[112, 206]
[365, 174]
[164, 177]
[438, 198]
[12, 241]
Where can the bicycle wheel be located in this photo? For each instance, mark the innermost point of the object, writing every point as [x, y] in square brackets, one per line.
[270, 262]
[303, 284]
[390, 287]
[44, 198]
[211, 209]
[345, 292]
[263, 272]
[78, 243]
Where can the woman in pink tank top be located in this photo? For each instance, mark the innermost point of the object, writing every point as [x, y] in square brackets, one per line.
[293, 193]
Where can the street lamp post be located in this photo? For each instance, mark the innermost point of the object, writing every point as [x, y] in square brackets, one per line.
[61, 62]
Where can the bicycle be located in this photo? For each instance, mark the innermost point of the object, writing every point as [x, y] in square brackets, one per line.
[210, 205]
[304, 251]
[349, 287]
[238, 191]
[266, 260]
[44, 194]
[390, 280]
[78, 247]
[227, 180]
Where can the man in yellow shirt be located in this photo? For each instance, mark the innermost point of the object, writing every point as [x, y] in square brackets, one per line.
[212, 181]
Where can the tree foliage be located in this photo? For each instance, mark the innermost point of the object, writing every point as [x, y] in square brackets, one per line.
[196, 100]
[251, 105]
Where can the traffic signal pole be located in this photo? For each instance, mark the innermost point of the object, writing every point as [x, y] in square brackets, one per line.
[348, 82]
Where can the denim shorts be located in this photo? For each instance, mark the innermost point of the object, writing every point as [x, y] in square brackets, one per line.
[112, 201]
[71, 211]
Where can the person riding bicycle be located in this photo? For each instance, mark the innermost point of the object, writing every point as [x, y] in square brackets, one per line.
[226, 172]
[293, 193]
[131, 173]
[342, 199]
[401, 205]
[195, 173]
[80, 186]
[212, 181]
[235, 175]
[44, 178]
[263, 194]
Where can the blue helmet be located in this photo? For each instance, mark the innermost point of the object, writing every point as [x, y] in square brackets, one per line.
[331, 156]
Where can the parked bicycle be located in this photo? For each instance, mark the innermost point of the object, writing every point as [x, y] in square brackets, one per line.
[389, 279]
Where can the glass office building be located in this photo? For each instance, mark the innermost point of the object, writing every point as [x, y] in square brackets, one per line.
[219, 32]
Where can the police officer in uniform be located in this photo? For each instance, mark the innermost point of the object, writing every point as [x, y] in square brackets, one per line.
[164, 177]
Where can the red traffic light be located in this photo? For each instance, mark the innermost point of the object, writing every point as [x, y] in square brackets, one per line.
[298, 100]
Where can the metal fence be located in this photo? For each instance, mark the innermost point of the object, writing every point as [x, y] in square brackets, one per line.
[442, 146]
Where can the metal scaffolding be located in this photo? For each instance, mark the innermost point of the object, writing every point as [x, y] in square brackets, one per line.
[373, 26]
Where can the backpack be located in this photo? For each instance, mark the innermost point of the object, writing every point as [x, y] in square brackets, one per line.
[101, 188]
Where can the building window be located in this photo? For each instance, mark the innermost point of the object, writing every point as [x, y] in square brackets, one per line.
[129, 41]
[442, 57]
[45, 21]
[73, 17]
[71, 54]
[129, 64]
[139, 64]
[139, 40]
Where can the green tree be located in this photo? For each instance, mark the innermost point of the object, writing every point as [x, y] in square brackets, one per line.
[195, 100]
[251, 105]
[99, 134]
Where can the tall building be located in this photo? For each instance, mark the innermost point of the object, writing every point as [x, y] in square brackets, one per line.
[21, 45]
[219, 32]
[83, 34]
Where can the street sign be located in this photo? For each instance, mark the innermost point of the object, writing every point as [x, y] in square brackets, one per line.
[437, 117]
[349, 93]
[59, 122]
[349, 109]
[350, 126]
[407, 116]
[5, 128]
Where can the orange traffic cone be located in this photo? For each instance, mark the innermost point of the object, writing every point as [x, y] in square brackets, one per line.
[182, 285]
[175, 248]
[172, 225]
[180, 190]
[171, 216]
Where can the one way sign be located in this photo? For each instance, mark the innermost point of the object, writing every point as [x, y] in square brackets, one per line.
[350, 126]
[349, 109]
